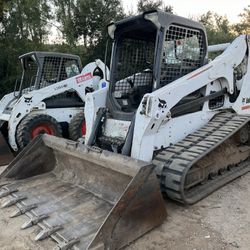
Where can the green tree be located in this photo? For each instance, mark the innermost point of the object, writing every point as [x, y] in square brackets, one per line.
[85, 22]
[3, 6]
[23, 28]
[217, 27]
[243, 27]
[27, 19]
[65, 15]
[169, 9]
[107, 11]
[145, 5]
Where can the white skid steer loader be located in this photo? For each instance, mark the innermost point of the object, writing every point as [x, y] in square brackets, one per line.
[167, 112]
[49, 98]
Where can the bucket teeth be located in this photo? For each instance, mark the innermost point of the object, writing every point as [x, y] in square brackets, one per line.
[5, 192]
[13, 201]
[34, 221]
[4, 184]
[45, 233]
[23, 210]
[69, 244]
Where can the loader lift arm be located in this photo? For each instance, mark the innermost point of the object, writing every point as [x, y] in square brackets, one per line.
[219, 69]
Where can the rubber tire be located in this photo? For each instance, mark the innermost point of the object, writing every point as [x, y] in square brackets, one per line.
[75, 125]
[23, 134]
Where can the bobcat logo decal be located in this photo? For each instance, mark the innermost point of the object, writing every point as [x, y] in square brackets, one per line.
[162, 104]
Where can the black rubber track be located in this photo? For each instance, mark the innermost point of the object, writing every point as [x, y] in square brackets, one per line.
[173, 163]
[75, 125]
[24, 129]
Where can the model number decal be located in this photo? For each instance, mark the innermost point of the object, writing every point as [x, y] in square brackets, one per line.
[84, 78]
[61, 87]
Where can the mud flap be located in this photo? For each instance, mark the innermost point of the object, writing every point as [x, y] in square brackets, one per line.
[82, 197]
[6, 156]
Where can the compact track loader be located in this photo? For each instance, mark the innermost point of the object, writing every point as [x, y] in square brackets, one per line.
[49, 98]
[167, 112]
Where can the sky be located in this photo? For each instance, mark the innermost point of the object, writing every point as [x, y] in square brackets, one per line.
[193, 8]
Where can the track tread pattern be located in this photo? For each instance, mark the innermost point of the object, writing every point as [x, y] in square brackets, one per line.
[173, 163]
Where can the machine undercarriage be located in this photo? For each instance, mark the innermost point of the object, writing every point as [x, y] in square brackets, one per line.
[205, 160]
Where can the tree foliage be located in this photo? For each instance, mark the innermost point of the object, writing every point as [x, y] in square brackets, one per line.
[25, 25]
[145, 5]
[244, 26]
[65, 15]
[217, 27]
[3, 9]
[23, 28]
[27, 19]
[85, 21]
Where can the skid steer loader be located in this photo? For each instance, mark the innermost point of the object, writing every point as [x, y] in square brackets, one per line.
[48, 99]
[167, 112]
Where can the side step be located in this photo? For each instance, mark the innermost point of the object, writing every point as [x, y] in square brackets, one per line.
[82, 197]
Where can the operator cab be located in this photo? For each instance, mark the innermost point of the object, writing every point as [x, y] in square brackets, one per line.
[150, 51]
[41, 69]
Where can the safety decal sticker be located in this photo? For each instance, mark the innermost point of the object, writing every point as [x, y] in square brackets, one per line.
[245, 107]
[84, 78]
[245, 103]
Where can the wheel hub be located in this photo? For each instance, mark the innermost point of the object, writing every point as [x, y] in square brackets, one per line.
[42, 129]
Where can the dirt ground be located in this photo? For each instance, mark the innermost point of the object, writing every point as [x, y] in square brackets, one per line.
[221, 221]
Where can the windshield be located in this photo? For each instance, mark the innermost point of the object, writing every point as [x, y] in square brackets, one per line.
[30, 72]
[182, 49]
[57, 69]
[133, 68]
[70, 68]
[183, 52]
